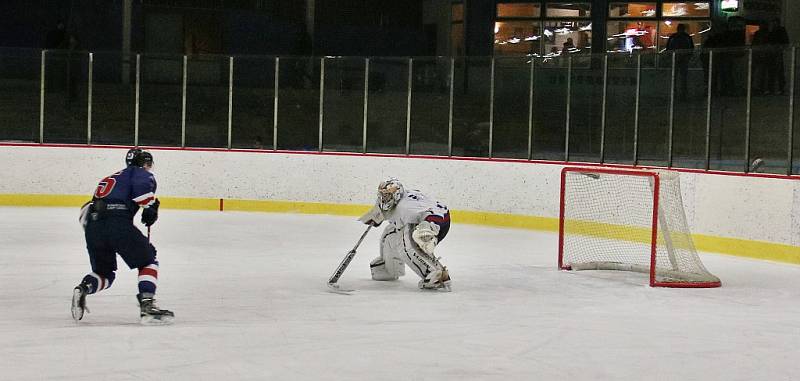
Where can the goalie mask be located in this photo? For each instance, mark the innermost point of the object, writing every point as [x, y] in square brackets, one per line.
[389, 194]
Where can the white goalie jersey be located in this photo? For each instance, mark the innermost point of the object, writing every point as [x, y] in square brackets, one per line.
[416, 223]
[414, 208]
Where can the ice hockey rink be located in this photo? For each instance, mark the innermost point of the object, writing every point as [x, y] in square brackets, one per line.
[249, 294]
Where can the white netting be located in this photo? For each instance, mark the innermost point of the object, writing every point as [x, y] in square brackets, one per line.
[608, 219]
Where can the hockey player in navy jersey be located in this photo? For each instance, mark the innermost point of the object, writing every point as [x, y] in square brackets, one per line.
[417, 223]
[109, 230]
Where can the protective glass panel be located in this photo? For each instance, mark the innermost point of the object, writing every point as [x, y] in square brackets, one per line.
[793, 91]
[19, 93]
[430, 106]
[253, 102]
[550, 107]
[691, 108]
[298, 104]
[160, 97]
[457, 39]
[768, 116]
[207, 101]
[637, 10]
[654, 108]
[471, 107]
[388, 101]
[512, 88]
[343, 106]
[113, 98]
[586, 108]
[65, 100]
[517, 38]
[729, 109]
[620, 125]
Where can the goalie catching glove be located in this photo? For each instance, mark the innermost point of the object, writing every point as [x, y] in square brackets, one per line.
[425, 235]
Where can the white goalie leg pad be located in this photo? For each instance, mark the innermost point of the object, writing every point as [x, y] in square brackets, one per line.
[389, 265]
[434, 275]
[419, 261]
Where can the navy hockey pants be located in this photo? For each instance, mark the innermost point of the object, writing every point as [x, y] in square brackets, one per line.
[112, 235]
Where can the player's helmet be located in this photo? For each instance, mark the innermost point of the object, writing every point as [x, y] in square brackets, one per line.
[138, 157]
[132, 153]
[390, 192]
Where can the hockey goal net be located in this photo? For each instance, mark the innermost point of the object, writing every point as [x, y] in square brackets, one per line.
[631, 220]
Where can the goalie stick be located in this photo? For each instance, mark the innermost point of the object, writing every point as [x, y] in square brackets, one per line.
[344, 263]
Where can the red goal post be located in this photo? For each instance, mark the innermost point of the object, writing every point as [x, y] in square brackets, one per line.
[629, 220]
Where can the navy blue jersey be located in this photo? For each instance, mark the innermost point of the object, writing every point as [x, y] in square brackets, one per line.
[125, 191]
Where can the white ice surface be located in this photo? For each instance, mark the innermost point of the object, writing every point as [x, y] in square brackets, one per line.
[249, 295]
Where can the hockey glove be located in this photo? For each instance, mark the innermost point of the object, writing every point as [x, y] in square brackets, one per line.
[425, 236]
[373, 217]
[150, 214]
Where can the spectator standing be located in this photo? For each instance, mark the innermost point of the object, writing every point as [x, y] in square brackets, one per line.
[56, 38]
[568, 46]
[761, 64]
[714, 41]
[732, 58]
[777, 39]
[682, 45]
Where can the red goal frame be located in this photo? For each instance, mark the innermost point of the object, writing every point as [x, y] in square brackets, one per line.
[654, 224]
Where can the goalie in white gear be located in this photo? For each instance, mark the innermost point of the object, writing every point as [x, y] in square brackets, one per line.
[416, 225]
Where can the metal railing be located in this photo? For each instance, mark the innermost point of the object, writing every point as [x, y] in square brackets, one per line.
[720, 109]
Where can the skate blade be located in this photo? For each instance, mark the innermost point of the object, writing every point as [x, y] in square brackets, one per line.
[156, 320]
[334, 287]
[77, 310]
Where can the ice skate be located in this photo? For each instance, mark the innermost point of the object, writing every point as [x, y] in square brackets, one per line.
[437, 279]
[79, 301]
[150, 314]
